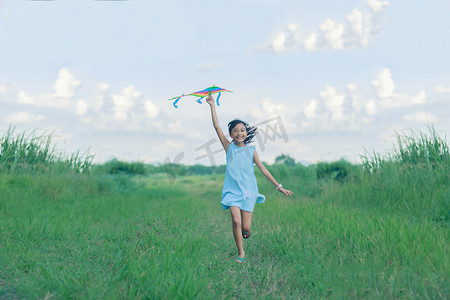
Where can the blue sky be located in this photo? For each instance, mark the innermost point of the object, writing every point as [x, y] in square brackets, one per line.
[341, 76]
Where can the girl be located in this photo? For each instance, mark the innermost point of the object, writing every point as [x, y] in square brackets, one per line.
[240, 191]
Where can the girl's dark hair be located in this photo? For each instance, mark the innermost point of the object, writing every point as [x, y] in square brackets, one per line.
[251, 131]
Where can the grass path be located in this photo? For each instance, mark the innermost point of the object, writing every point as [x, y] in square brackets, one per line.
[306, 248]
[152, 240]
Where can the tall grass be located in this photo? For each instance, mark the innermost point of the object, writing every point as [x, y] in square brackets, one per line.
[35, 153]
[411, 149]
[412, 180]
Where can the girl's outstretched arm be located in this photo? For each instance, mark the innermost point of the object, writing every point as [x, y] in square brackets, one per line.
[269, 176]
[215, 121]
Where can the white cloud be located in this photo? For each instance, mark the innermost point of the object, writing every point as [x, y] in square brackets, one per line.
[369, 31]
[310, 110]
[421, 117]
[268, 109]
[5, 88]
[403, 100]
[287, 41]
[371, 107]
[385, 89]
[334, 101]
[355, 32]
[351, 88]
[377, 9]
[66, 85]
[103, 87]
[279, 42]
[102, 112]
[81, 107]
[23, 117]
[439, 89]
[294, 147]
[168, 127]
[151, 109]
[169, 146]
[65, 88]
[333, 33]
[420, 98]
[45, 100]
[24, 98]
[375, 5]
[355, 19]
[310, 42]
[210, 66]
[331, 111]
[102, 90]
[124, 102]
[124, 110]
[384, 85]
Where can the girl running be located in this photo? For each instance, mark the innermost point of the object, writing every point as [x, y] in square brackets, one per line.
[240, 190]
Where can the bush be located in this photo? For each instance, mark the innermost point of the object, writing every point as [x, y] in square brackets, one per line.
[339, 171]
[116, 167]
[199, 170]
[220, 169]
[285, 160]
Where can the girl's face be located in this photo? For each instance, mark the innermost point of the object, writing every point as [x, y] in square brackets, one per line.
[239, 134]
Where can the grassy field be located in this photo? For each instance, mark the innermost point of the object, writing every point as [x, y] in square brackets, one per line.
[375, 233]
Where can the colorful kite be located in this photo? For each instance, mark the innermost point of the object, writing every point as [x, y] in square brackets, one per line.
[206, 92]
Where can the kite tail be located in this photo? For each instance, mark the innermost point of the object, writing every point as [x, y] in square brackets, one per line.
[176, 101]
[199, 100]
[217, 100]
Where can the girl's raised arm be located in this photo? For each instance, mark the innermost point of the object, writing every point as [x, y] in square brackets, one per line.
[222, 138]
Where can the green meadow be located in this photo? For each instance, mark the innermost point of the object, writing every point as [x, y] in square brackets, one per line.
[73, 229]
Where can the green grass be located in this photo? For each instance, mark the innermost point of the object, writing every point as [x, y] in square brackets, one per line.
[111, 237]
[377, 233]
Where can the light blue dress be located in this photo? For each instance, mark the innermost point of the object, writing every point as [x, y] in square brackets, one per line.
[240, 188]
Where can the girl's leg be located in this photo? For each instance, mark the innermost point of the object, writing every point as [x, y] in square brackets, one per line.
[246, 222]
[236, 221]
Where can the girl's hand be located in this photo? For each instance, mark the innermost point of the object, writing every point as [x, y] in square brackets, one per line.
[286, 192]
[210, 100]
